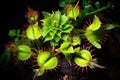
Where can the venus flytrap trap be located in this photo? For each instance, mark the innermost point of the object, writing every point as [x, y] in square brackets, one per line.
[60, 33]
[73, 11]
[23, 52]
[83, 58]
[45, 61]
[93, 32]
[34, 31]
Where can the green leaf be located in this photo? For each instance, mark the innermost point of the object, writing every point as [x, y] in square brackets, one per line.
[63, 19]
[34, 31]
[45, 31]
[58, 33]
[77, 50]
[68, 28]
[47, 21]
[62, 3]
[23, 52]
[48, 37]
[96, 44]
[46, 14]
[84, 3]
[56, 38]
[56, 18]
[81, 62]
[83, 58]
[51, 63]
[39, 72]
[18, 32]
[64, 36]
[42, 58]
[68, 50]
[52, 33]
[75, 41]
[12, 33]
[73, 12]
[110, 26]
[64, 45]
[55, 27]
[95, 24]
[85, 54]
[45, 61]
[88, 8]
[97, 4]
[94, 37]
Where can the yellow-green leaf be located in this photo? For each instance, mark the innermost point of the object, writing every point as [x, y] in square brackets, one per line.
[34, 31]
[42, 58]
[51, 63]
[23, 52]
[95, 24]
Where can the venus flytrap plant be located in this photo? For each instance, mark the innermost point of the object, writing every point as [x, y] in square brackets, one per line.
[60, 33]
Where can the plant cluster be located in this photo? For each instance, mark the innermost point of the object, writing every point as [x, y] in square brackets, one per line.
[72, 33]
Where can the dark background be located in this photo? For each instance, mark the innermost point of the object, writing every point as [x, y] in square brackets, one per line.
[12, 16]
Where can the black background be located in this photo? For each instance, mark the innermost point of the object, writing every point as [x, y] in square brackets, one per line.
[12, 16]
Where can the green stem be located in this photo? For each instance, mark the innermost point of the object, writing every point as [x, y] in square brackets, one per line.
[97, 65]
[77, 4]
[37, 72]
[53, 48]
[34, 77]
[98, 10]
